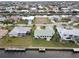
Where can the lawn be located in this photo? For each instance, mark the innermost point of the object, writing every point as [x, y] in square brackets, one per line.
[52, 43]
[17, 41]
[29, 42]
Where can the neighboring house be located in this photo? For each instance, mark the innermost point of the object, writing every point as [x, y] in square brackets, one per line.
[77, 10]
[24, 10]
[54, 18]
[20, 31]
[2, 18]
[29, 19]
[40, 6]
[65, 9]
[33, 9]
[75, 18]
[54, 8]
[3, 32]
[65, 16]
[68, 33]
[46, 33]
[16, 18]
[41, 16]
[10, 9]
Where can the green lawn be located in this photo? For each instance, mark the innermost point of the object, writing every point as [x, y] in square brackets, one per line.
[17, 41]
[29, 42]
[52, 43]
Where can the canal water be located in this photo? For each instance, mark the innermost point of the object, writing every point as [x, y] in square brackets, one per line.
[36, 54]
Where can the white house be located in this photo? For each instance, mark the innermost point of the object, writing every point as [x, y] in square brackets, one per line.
[68, 33]
[33, 9]
[65, 9]
[75, 18]
[54, 18]
[46, 33]
[10, 9]
[29, 19]
[56, 8]
[2, 18]
[20, 31]
[75, 10]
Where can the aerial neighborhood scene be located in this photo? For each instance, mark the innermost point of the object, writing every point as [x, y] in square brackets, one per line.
[39, 24]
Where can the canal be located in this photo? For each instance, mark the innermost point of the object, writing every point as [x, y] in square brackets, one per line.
[36, 54]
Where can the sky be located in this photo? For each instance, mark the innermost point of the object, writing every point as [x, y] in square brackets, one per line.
[38, 0]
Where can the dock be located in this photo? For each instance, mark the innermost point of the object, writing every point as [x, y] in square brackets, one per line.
[15, 49]
[75, 49]
[41, 49]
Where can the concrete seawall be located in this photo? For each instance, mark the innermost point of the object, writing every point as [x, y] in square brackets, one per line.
[46, 49]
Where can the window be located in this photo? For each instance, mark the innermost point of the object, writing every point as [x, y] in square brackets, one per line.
[68, 38]
[64, 34]
[70, 35]
[43, 36]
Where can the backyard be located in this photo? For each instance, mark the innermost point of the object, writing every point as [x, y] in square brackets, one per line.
[42, 21]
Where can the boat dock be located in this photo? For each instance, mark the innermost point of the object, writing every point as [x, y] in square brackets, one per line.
[41, 49]
[75, 49]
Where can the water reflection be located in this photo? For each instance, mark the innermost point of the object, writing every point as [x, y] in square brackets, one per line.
[36, 54]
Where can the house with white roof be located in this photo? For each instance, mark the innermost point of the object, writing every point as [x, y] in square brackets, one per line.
[65, 9]
[10, 9]
[77, 10]
[54, 18]
[2, 18]
[29, 19]
[74, 18]
[20, 31]
[33, 9]
[68, 33]
[46, 33]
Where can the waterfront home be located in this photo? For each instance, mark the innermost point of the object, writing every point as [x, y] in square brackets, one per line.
[68, 33]
[20, 31]
[29, 19]
[65, 16]
[75, 18]
[45, 33]
[41, 16]
[56, 8]
[15, 18]
[76, 10]
[53, 8]
[54, 18]
[3, 32]
[10, 9]
[2, 18]
[24, 10]
[65, 9]
[33, 9]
